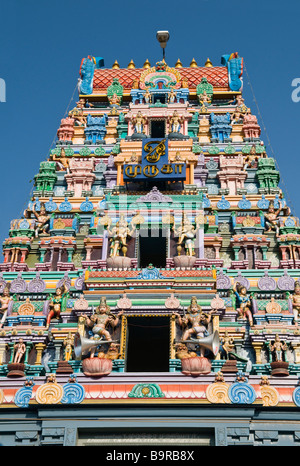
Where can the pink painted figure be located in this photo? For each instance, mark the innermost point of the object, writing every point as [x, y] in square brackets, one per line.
[20, 349]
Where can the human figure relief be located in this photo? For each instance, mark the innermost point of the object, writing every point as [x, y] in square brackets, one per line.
[99, 322]
[244, 302]
[186, 233]
[119, 235]
[19, 349]
[43, 219]
[194, 323]
[56, 303]
[272, 218]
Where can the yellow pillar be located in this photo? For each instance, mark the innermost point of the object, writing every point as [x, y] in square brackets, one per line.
[257, 348]
[39, 350]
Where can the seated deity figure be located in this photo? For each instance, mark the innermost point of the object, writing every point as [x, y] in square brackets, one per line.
[4, 301]
[204, 99]
[187, 234]
[114, 100]
[296, 301]
[194, 323]
[43, 221]
[99, 322]
[62, 161]
[251, 159]
[119, 235]
[244, 302]
[237, 116]
[272, 218]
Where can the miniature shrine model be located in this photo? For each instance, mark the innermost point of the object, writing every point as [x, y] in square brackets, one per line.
[150, 291]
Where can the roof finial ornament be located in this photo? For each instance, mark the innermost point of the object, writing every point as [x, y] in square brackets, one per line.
[131, 65]
[116, 65]
[193, 64]
[178, 64]
[147, 64]
[163, 37]
[208, 63]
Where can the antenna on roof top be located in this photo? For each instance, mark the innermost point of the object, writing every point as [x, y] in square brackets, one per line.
[163, 37]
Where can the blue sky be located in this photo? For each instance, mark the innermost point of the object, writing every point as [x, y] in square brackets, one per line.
[43, 42]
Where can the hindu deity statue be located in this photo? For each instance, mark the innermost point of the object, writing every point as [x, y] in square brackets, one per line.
[244, 302]
[187, 234]
[227, 345]
[99, 321]
[296, 300]
[175, 122]
[115, 100]
[139, 122]
[62, 160]
[272, 218]
[119, 235]
[172, 97]
[19, 349]
[77, 113]
[237, 116]
[4, 300]
[204, 99]
[56, 303]
[195, 322]
[68, 346]
[251, 159]
[278, 347]
[43, 221]
[240, 103]
[148, 97]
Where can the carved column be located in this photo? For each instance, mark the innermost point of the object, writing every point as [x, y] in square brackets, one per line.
[2, 352]
[296, 348]
[39, 351]
[257, 345]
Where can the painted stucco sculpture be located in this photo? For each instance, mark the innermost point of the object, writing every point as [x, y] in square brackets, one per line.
[157, 261]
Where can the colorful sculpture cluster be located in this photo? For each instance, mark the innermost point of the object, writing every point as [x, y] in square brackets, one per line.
[82, 261]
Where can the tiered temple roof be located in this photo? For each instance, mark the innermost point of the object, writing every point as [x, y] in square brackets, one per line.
[157, 260]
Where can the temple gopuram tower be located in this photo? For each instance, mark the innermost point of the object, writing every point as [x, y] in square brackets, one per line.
[150, 291]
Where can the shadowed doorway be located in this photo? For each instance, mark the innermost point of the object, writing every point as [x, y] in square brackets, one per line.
[148, 344]
[153, 250]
